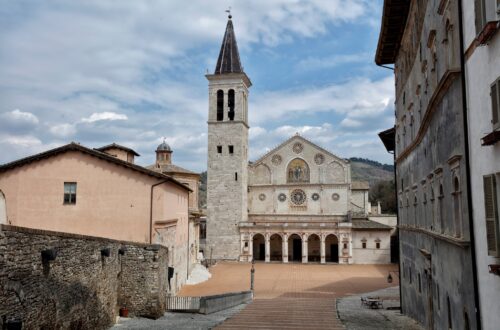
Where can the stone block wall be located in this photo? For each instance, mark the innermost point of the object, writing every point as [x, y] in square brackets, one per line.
[85, 283]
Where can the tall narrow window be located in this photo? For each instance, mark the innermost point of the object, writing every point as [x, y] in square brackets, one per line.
[231, 150]
[441, 206]
[69, 192]
[456, 208]
[230, 104]
[220, 105]
[491, 215]
[450, 325]
[480, 11]
[219, 149]
[495, 104]
[235, 176]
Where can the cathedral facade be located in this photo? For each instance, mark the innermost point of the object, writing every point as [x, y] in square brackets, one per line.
[296, 203]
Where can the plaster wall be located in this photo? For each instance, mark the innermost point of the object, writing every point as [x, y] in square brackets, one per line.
[429, 155]
[371, 255]
[482, 69]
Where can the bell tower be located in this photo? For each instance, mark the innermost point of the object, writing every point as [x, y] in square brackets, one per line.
[227, 172]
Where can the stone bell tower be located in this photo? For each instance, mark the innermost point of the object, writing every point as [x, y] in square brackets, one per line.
[227, 172]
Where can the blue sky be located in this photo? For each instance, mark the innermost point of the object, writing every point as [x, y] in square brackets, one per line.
[132, 72]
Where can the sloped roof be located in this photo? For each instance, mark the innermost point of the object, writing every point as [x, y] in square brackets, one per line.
[360, 185]
[391, 31]
[92, 152]
[170, 169]
[388, 139]
[229, 57]
[258, 161]
[117, 146]
[369, 225]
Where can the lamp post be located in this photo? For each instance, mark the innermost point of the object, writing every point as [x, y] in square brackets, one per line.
[389, 277]
[252, 272]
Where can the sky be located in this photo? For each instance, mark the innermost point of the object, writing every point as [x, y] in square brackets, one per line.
[133, 73]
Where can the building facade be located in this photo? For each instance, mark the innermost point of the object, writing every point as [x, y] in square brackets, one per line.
[101, 193]
[482, 70]
[296, 203]
[422, 40]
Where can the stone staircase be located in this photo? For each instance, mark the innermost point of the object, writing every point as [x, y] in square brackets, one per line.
[286, 313]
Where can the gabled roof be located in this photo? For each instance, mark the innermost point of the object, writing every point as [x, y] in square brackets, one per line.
[92, 152]
[392, 29]
[284, 143]
[117, 146]
[229, 57]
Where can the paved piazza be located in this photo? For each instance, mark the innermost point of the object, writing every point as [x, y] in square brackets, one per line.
[292, 296]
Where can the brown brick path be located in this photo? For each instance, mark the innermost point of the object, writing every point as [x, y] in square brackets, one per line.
[291, 296]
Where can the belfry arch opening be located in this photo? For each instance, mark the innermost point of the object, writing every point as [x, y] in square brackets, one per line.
[332, 248]
[220, 105]
[276, 247]
[294, 248]
[313, 248]
[230, 104]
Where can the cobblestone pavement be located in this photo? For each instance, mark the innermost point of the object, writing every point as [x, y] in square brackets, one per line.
[291, 296]
[287, 296]
[355, 316]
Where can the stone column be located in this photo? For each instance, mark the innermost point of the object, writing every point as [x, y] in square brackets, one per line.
[268, 248]
[304, 249]
[285, 248]
[350, 249]
[322, 249]
[250, 248]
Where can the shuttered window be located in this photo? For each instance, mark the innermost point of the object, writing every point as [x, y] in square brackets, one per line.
[480, 11]
[495, 104]
[491, 215]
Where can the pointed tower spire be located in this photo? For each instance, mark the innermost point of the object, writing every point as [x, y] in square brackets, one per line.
[229, 57]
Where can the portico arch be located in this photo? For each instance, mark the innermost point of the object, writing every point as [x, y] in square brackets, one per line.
[332, 248]
[314, 248]
[294, 248]
[276, 247]
[259, 247]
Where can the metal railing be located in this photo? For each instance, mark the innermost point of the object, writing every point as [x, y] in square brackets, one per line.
[175, 303]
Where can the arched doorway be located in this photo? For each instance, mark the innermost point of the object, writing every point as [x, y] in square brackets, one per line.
[332, 248]
[295, 248]
[3, 208]
[276, 245]
[314, 248]
[259, 247]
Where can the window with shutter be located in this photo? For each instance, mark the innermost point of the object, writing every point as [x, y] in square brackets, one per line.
[491, 215]
[480, 11]
[495, 104]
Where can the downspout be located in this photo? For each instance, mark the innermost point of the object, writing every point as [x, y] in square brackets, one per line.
[467, 166]
[151, 210]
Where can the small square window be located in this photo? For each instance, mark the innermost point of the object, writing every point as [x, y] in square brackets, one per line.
[69, 192]
[231, 150]
[219, 149]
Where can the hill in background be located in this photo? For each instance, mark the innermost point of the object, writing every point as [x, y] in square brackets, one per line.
[380, 176]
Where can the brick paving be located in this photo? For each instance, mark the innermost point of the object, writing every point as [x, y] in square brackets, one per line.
[291, 296]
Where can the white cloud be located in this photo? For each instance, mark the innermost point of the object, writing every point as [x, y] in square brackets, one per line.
[104, 116]
[63, 130]
[21, 117]
[22, 141]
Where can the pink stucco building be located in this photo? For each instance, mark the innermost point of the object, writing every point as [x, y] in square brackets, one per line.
[98, 192]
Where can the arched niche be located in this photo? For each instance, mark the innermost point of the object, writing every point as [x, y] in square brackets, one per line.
[261, 174]
[297, 171]
[335, 173]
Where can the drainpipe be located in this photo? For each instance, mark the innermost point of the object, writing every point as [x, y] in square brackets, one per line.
[467, 165]
[151, 210]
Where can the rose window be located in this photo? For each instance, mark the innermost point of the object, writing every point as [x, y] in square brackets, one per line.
[319, 159]
[282, 197]
[298, 197]
[335, 197]
[276, 160]
[262, 197]
[315, 196]
[297, 147]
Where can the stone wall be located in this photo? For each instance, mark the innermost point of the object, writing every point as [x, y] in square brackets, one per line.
[52, 280]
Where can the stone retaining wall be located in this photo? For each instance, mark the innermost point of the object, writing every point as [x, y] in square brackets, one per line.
[78, 282]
